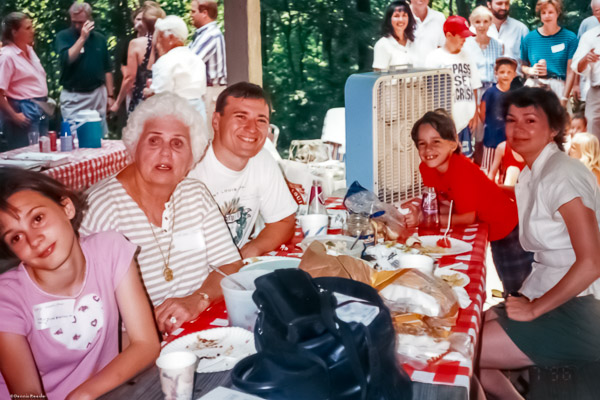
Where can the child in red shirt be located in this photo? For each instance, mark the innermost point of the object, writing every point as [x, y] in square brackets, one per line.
[476, 198]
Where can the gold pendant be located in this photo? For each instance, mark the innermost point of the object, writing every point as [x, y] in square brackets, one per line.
[168, 274]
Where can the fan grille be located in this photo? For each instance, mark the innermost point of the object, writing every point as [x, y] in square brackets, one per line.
[400, 101]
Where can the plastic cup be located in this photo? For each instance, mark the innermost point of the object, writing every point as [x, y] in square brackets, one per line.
[241, 309]
[314, 224]
[177, 374]
[417, 261]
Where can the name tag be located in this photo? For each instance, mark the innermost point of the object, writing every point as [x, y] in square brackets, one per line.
[558, 47]
[53, 313]
[189, 240]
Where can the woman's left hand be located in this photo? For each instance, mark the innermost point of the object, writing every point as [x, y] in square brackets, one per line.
[173, 312]
[520, 309]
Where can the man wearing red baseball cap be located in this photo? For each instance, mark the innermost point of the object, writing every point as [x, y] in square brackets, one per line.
[465, 81]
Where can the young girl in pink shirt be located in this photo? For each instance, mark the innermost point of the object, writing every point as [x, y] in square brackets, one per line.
[59, 309]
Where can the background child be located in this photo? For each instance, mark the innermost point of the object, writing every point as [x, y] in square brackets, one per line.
[576, 124]
[505, 70]
[508, 163]
[475, 197]
[59, 309]
[585, 147]
[466, 78]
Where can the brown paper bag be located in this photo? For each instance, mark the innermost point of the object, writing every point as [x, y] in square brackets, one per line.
[318, 263]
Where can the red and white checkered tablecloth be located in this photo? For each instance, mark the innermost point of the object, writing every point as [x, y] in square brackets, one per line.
[86, 166]
[443, 371]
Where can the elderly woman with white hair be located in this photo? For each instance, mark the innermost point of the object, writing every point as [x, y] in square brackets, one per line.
[178, 69]
[173, 219]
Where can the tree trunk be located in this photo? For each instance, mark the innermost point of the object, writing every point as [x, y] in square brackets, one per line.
[365, 55]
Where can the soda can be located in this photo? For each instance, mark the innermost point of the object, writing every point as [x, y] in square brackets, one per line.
[52, 137]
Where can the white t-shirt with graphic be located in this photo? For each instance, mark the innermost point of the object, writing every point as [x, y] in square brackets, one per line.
[465, 81]
[242, 195]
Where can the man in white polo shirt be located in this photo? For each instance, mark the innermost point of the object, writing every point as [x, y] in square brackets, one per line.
[429, 34]
[507, 30]
[586, 61]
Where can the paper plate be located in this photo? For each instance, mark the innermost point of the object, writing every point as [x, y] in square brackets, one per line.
[217, 349]
[269, 263]
[429, 246]
[452, 277]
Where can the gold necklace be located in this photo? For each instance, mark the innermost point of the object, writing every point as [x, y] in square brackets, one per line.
[167, 272]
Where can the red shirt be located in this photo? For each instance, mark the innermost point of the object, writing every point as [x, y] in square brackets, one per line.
[471, 190]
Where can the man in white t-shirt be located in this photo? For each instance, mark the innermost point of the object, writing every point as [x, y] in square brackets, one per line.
[465, 78]
[244, 179]
[507, 30]
[429, 34]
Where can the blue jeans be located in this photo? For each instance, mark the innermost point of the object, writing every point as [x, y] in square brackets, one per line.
[16, 135]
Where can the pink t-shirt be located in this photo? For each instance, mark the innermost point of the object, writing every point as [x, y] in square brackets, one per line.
[22, 78]
[71, 338]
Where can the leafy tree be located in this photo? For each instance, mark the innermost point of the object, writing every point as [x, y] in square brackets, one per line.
[309, 47]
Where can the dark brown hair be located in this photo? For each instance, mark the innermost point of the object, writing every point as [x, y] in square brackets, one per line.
[441, 122]
[241, 90]
[542, 99]
[16, 180]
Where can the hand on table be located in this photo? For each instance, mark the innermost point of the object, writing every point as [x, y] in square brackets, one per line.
[173, 312]
[520, 309]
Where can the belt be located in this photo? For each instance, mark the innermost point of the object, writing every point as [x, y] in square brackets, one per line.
[553, 76]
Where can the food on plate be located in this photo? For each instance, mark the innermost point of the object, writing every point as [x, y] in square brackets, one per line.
[414, 241]
[444, 242]
[433, 250]
[455, 280]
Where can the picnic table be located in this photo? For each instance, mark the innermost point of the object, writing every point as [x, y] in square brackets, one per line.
[443, 378]
[86, 166]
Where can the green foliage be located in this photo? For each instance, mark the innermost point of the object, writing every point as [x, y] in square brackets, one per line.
[309, 47]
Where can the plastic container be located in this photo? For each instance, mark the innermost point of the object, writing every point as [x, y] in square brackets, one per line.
[44, 144]
[359, 226]
[314, 224]
[66, 139]
[241, 309]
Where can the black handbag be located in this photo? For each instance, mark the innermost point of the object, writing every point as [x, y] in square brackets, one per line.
[321, 339]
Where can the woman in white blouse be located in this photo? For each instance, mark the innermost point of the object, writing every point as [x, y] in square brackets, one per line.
[556, 321]
[398, 31]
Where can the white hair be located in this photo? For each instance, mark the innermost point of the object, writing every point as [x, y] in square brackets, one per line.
[79, 7]
[160, 106]
[172, 25]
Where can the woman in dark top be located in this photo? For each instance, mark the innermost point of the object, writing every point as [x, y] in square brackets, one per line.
[140, 57]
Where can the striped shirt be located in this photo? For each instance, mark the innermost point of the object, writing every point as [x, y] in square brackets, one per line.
[191, 218]
[209, 43]
[484, 59]
[556, 49]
